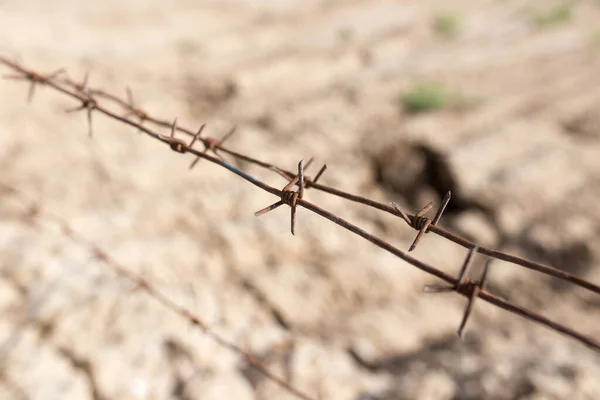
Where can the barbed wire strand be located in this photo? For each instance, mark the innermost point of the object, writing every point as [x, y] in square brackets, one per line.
[102, 256]
[468, 288]
[214, 145]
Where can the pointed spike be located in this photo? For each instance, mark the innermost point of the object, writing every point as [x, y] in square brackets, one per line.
[308, 163]
[268, 208]
[442, 208]
[402, 213]
[130, 101]
[74, 109]
[437, 289]
[228, 135]
[31, 91]
[85, 80]
[293, 220]
[419, 235]
[200, 130]
[484, 274]
[89, 119]
[196, 136]
[279, 172]
[424, 210]
[468, 260]
[323, 168]
[468, 310]
[174, 127]
[193, 164]
[301, 178]
[291, 183]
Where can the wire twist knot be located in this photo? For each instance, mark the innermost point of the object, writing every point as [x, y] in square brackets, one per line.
[289, 196]
[176, 144]
[467, 287]
[420, 222]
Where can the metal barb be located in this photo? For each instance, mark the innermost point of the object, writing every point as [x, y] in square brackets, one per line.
[72, 89]
[316, 178]
[459, 280]
[173, 127]
[289, 197]
[464, 286]
[83, 86]
[473, 288]
[301, 180]
[212, 144]
[132, 109]
[422, 223]
[89, 104]
[196, 136]
[34, 79]
[442, 208]
[130, 100]
[466, 265]
[402, 213]
[419, 221]
[176, 144]
[308, 163]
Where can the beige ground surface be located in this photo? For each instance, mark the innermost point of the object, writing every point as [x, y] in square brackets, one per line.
[336, 316]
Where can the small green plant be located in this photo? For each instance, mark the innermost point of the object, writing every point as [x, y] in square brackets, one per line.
[425, 97]
[558, 15]
[447, 25]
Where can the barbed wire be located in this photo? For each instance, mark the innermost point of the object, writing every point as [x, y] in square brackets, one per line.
[35, 212]
[292, 194]
[418, 222]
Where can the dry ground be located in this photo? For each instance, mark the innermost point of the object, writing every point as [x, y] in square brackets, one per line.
[518, 144]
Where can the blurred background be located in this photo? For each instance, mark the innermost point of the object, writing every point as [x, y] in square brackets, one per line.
[404, 100]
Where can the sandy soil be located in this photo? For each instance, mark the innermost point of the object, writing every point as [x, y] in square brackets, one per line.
[518, 145]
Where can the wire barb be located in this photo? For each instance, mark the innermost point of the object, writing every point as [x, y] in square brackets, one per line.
[465, 286]
[176, 144]
[289, 196]
[83, 86]
[89, 104]
[132, 109]
[212, 144]
[34, 79]
[316, 178]
[420, 222]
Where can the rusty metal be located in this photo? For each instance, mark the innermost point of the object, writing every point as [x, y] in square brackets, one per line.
[147, 287]
[212, 144]
[465, 286]
[34, 79]
[176, 144]
[294, 198]
[419, 221]
[289, 197]
[133, 110]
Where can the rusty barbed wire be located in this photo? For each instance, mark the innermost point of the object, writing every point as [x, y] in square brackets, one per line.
[35, 212]
[469, 288]
[289, 196]
[432, 227]
[465, 286]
